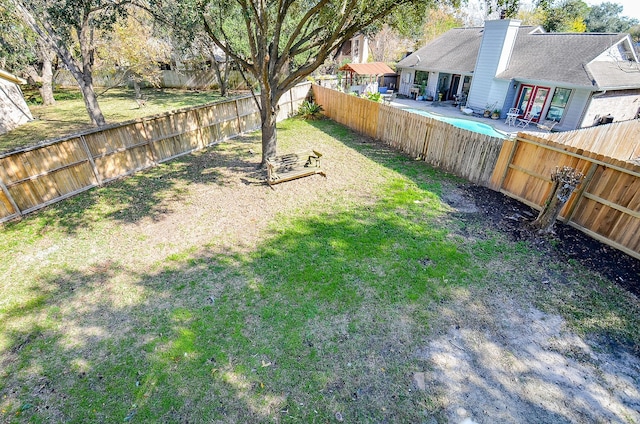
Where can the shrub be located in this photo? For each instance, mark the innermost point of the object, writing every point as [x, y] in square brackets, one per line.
[374, 97]
[310, 110]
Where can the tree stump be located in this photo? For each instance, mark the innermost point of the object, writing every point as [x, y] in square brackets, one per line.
[565, 180]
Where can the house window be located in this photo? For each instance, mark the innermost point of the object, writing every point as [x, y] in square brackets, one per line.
[356, 45]
[466, 85]
[422, 77]
[558, 104]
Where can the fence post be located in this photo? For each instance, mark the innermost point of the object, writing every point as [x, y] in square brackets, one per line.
[152, 147]
[14, 205]
[583, 187]
[238, 118]
[508, 164]
[291, 102]
[96, 173]
[200, 132]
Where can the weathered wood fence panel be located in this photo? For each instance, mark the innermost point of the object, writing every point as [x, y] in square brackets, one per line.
[248, 114]
[354, 112]
[404, 131]
[40, 176]
[37, 176]
[290, 102]
[606, 205]
[606, 140]
[465, 153]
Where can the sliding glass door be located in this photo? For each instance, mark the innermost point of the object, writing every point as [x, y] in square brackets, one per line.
[532, 100]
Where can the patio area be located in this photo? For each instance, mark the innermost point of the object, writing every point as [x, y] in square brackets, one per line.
[446, 108]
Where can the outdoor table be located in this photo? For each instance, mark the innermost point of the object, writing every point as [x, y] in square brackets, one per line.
[511, 119]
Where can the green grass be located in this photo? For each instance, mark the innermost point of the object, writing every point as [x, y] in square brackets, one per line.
[69, 114]
[102, 321]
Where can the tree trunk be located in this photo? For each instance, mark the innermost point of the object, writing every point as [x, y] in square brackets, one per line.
[549, 213]
[46, 91]
[268, 116]
[136, 86]
[222, 83]
[565, 180]
[91, 103]
[85, 79]
[82, 74]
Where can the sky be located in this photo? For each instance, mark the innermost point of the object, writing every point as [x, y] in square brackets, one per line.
[476, 8]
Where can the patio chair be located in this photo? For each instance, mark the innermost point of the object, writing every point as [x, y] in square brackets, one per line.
[512, 115]
[547, 125]
[388, 98]
[525, 121]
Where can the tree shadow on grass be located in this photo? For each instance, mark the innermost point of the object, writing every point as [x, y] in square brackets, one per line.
[496, 214]
[321, 320]
[215, 336]
[151, 193]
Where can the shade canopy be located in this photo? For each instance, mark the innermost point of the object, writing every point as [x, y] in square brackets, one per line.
[375, 68]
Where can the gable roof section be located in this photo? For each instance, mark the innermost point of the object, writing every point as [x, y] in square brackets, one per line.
[456, 50]
[611, 75]
[557, 58]
[374, 68]
[560, 58]
[10, 77]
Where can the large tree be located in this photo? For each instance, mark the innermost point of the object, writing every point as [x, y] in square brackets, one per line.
[69, 27]
[606, 17]
[283, 41]
[563, 15]
[438, 21]
[131, 51]
[24, 53]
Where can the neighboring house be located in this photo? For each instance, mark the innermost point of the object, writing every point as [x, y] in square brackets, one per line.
[355, 50]
[568, 78]
[13, 108]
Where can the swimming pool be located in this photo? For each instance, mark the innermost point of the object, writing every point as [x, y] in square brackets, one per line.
[465, 124]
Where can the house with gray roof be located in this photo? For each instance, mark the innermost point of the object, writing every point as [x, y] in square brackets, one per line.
[13, 108]
[570, 78]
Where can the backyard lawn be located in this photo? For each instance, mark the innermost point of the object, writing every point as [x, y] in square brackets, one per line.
[69, 115]
[193, 292]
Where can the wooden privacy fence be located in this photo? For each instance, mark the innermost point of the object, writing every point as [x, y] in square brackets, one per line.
[464, 153]
[620, 140]
[606, 205]
[37, 176]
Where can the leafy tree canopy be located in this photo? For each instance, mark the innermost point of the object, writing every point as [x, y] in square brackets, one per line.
[606, 17]
[17, 41]
[563, 16]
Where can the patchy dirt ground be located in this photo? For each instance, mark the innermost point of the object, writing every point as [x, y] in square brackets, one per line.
[492, 357]
[528, 367]
[497, 360]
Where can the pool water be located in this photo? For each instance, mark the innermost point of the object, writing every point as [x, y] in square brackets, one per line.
[465, 124]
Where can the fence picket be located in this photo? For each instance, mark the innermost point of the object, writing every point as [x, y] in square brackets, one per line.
[37, 176]
[607, 205]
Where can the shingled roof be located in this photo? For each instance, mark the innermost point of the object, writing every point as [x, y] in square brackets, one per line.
[456, 50]
[559, 57]
[612, 75]
[554, 57]
[373, 68]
